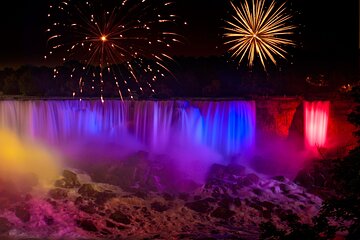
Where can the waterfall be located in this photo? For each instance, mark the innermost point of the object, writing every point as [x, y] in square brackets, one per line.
[316, 122]
[227, 127]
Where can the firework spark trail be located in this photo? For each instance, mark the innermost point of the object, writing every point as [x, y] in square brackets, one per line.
[126, 39]
[258, 30]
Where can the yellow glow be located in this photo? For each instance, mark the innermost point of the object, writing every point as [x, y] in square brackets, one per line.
[103, 38]
[19, 158]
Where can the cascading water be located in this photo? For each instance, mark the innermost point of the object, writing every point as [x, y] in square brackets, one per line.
[227, 127]
[60, 121]
[152, 123]
[316, 122]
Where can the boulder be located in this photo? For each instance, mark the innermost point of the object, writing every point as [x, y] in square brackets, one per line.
[223, 213]
[234, 169]
[168, 197]
[285, 188]
[87, 225]
[69, 180]
[58, 193]
[248, 180]
[279, 178]
[159, 207]
[200, 206]
[258, 191]
[88, 208]
[120, 217]
[103, 197]
[88, 190]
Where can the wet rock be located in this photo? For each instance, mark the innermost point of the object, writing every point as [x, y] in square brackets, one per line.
[212, 200]
[88, 190]
[168, 197]
[258, 191]
[5, 225]
[152, 183]
[69, 175]
[275, 189]
[105, 232]
[256, 205]
[283, 214]
[79, 200]
[223, 213]
[234, 169]
[141, 194]
[103, 197]
[226, 202]
[87, 225]
[90, 208]
[121, 228]
[60, 183]
[145, 212]
[268, 205]
[49, 220]
[154, 237]
[110, 224]
[133, 171]
[69, 180]
[159, 207]
[279, 178]
[201, 206]
[58, 193]
[293, 196]
[285, 188]
[216, 192]
[22, 212]
[119, 217]
[249, 180]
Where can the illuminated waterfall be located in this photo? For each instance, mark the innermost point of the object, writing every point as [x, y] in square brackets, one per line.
[227, 127]
[316, 122]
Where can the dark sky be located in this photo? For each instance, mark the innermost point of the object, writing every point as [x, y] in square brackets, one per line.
[330, 28]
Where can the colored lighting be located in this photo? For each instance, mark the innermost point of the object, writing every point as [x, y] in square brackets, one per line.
[316, 122]
[227, 127]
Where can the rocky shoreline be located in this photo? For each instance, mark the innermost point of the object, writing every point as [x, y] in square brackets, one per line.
[231, 204]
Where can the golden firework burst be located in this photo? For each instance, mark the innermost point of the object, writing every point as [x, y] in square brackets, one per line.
[259, 30]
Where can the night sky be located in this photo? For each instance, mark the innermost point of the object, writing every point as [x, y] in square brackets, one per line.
[328, 29]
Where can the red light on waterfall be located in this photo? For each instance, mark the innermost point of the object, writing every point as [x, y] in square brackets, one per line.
[316, 122]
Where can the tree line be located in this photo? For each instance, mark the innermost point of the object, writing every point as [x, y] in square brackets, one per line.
[188, 77]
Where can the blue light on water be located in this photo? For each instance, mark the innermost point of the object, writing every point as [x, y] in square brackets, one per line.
[228, 126]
